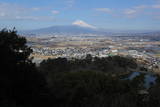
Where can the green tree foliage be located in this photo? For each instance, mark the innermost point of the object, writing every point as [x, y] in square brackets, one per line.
[108, 64]
[97, 82]
[92, 82]
[92, 89]
[14, 48]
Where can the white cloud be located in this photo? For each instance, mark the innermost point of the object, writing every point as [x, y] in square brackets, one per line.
[130, 12]
[2, 14]
[157, 6]
[83, 24]
[141, 7]
[10, 11]
[35, 9]
[55, 12]
[106, 10]
[70, 3]
[35, 18]
[140, 10]
[26, 18]
[135, 11]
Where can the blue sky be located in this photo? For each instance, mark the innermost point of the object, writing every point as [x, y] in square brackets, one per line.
[108, 14]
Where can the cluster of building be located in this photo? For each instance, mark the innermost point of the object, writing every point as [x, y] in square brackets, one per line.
[103, 52]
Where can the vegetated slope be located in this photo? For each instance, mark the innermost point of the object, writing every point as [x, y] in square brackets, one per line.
[93, 82]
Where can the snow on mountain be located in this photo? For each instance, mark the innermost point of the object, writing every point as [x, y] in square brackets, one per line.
[83, 24]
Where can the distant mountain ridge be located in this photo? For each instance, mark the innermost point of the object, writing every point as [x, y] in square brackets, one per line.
[67, 30]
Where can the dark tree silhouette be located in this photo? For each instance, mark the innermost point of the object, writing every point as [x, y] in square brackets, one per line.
[21, 83]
